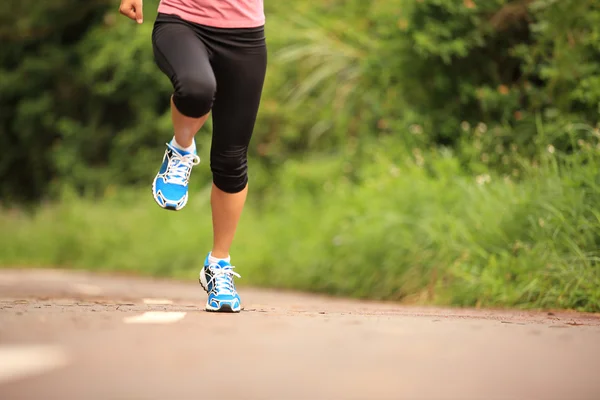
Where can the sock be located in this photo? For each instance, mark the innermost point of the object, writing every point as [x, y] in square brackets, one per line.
[215, 260]
[190, 149]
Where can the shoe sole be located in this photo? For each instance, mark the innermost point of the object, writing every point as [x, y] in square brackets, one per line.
[225, 308]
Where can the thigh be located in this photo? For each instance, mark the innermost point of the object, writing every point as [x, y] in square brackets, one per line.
[240, 75]
[179, 52]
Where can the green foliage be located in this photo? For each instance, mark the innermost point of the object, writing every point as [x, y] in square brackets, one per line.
[82, 103]
[439, 65]
[503, 65]
[37, 87]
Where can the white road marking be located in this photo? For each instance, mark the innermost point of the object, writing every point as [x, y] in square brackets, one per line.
[20, 361]
[84, 288]
[155, 317]
[158, 301]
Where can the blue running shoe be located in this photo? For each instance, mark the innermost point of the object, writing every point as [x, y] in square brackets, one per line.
[217, 280]
[170, 186]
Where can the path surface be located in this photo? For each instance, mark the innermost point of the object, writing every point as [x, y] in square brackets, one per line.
[67, 335]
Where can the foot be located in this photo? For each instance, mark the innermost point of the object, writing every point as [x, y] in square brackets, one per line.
[217, 280]
[170, 186]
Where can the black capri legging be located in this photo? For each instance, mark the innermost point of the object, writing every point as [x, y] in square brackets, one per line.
[216, 69]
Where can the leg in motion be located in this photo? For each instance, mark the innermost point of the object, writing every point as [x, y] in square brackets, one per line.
[240, 77]
[182, 56]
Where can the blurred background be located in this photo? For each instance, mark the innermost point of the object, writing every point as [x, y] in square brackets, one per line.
[426, 151]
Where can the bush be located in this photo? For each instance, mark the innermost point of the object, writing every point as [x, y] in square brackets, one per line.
[84, 105]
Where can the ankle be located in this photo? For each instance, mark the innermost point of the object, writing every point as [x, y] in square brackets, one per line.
[216, 256]
[188, 146]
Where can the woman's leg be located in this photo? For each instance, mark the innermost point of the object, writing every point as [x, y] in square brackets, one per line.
[183, 57]
[240, 74]
[240, 77]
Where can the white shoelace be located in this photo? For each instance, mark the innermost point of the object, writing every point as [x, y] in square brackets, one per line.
[221, 276]
[179, 167]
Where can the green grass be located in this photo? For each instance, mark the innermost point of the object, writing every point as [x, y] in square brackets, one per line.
[418, 232]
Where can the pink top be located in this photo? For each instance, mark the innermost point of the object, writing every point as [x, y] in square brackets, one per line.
[217, 13]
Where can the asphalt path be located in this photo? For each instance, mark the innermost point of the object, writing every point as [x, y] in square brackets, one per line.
[74, 335]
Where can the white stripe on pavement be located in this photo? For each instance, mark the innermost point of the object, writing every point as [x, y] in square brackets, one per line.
[155, 317]
[20, 361]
